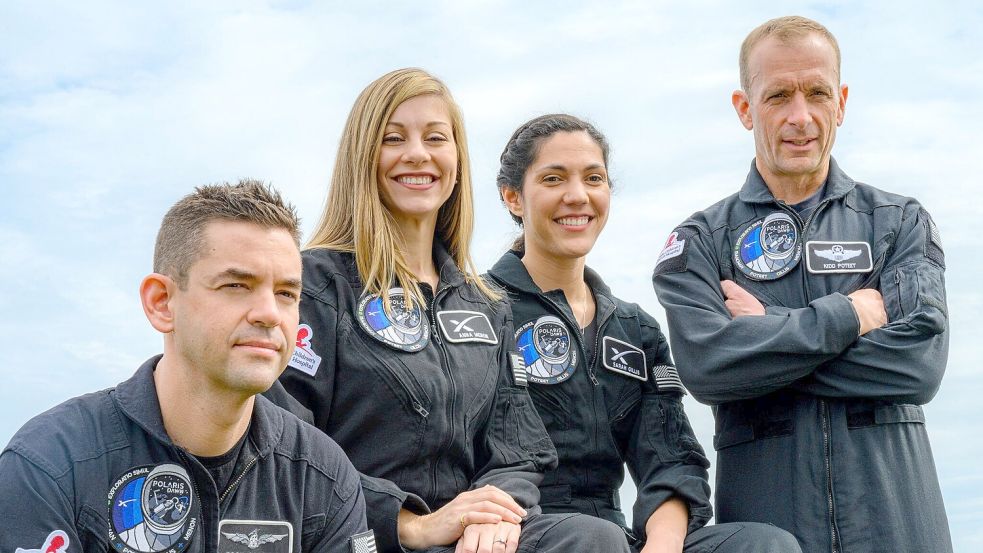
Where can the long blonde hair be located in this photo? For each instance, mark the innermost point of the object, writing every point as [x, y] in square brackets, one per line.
[354, 218]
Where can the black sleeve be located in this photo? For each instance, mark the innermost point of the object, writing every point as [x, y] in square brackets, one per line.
[346, 510]
[514, 449]
[36, 512]
[905, 359]
[721, 359]
[663, 456]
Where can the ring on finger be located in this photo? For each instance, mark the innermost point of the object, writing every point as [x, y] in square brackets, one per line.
[463, 524]
[501, 540]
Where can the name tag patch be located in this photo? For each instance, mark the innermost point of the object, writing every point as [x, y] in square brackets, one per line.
[838, 257]
[304, 358]
[259, 536]
[624, 358]
[466, 326]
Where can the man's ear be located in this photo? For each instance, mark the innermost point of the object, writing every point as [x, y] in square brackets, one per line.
[844, 92]
[513, 200]
[742, 105]
[156, 293]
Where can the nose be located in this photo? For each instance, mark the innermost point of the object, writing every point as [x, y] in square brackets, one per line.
[265, 310]
[415, 151]
[576, 192]
[798, 114]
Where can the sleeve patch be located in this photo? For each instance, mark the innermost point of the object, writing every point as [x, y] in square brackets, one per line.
[673, 257]
[933, 241]
[519, 375]
[304, 358]
[667, 379]
[363, 543]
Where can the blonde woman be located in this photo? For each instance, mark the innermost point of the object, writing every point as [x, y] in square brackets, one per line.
[406, 358]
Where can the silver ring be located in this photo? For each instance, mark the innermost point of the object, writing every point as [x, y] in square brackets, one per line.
[500, 540]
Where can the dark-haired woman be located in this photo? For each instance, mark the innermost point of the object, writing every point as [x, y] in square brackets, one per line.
[598, 368]
[403, 351]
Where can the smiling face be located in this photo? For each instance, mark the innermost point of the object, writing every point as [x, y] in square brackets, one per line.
[235, 321]
[564, 198]
[794, 104]
[418, 159]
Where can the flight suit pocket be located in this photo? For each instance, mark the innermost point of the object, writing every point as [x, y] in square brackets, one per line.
[886, 414]
[914, 292]
[523, 429]
[668, 431]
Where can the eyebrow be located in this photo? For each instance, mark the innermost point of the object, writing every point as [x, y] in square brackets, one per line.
[239, 274]
[558, 167]
[428, 124]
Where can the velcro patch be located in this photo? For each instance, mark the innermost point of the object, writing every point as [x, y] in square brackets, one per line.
[261, 536]
[364, 542]
[56, 542]
[519, 374]
[466, 326]
[838, 257]
[933, 241]
[624, 358]
[667, 378]
[304, 358]
[673, 257]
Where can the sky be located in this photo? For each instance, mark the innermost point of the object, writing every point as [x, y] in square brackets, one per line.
[111, 111]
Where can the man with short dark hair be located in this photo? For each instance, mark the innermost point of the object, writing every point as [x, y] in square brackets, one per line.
[184, 456]
[809, 310]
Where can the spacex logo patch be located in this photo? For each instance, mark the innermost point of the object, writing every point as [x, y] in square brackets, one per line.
[624, 358]
[466, 326]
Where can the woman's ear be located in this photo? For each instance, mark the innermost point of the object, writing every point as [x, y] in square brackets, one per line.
[513, 200]
[156, 292]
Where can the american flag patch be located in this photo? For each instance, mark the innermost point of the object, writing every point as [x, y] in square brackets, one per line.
[519, 374]
[667, 378]
[364, 542]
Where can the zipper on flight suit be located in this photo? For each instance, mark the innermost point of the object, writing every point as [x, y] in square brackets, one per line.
[824, 410]
[453, 390]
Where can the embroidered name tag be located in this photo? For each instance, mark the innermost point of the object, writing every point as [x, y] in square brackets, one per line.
[624, 358]
[260, 536]
[466, 326]
[838, 257]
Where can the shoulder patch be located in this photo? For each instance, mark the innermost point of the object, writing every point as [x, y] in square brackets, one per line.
[466, 326]
[363, 543]
[673, 257]
[153, 508]
[519, 375]
[261, 536]
[667, 379]
[933, 240]
[624, 358]
[56, 542]
[304, 358]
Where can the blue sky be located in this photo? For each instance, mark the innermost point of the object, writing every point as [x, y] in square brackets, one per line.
[110, 111]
